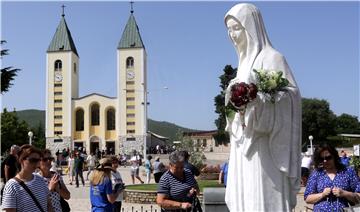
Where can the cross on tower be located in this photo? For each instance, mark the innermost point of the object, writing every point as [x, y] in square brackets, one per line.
[131, 4]
[63, 13]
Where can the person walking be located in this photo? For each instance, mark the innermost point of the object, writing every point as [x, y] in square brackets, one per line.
[10, 166]
[56, 185]
[305, 168]
[91, 164]
[102, 195]
[118, 184]
[71, 171]
[344, 158]
[78, 166]
[224, 173]
[135, 166]
[27, 191]
[187, 165]
[159, 169]
[148, 168]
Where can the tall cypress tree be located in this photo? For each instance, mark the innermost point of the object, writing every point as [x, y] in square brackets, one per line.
[222, 137]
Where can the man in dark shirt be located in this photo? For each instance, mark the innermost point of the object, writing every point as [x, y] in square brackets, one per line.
[195, 171]
[10, 166]
[78, 166]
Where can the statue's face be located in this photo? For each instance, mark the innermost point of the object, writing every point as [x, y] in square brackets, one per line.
[236, 32]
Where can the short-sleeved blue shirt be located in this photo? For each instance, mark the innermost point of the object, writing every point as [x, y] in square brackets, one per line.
[224, 169]
[345, 179]
[98, 196]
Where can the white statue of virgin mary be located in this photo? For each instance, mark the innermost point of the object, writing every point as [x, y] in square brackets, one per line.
[264, 165]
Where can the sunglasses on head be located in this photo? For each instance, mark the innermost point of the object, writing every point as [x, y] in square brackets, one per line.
[33, 160]
[329, 157]
[47, 159]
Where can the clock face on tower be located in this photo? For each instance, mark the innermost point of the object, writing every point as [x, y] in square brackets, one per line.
[130, 75]
[58, 77]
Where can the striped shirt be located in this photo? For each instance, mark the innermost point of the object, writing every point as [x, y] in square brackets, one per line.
[176, 189]
[15, 196]
[54, 196]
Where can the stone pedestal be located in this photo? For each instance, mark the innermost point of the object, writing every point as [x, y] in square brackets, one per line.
[214, 200]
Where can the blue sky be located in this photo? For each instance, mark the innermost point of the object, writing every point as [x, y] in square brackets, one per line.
[187, 47]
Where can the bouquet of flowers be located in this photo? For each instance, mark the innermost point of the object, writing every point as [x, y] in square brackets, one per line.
[241, 95]
[270, 82]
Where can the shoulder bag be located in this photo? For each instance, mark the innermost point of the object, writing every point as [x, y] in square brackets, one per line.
[64, 204]
[30, 193]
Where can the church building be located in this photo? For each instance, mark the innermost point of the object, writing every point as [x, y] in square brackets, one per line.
[96, 121]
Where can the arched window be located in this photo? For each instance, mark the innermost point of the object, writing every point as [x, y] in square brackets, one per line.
[58, 65]
[129, 62]
[110, 119]
[95, 118]
[79, 120]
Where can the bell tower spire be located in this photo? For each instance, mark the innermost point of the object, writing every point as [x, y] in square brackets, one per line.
[63, 9]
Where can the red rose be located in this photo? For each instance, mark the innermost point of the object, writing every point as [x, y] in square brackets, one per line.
[252, 91]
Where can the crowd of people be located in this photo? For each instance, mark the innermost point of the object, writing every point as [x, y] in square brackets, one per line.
[33, 179]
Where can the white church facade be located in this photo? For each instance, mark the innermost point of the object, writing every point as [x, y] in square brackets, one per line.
[95, 120]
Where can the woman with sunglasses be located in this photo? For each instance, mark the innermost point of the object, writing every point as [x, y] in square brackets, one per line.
[54, 181]
[331, 186]
[16, 198]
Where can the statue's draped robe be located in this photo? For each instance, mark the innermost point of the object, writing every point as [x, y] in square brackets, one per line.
[264, 165]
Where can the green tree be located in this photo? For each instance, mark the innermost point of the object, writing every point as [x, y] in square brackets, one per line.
[346, 123]
[194, 149]
[8, 73]
[317, 120]
[13, 131]
[39, 136]
[222, 137]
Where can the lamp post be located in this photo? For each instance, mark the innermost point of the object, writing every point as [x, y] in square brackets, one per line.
[311, 145]
[30, 134]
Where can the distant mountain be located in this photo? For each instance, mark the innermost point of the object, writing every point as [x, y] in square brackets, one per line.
[163, 128]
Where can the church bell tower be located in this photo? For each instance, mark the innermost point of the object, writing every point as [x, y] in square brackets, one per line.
[62, 71]
[132, 88]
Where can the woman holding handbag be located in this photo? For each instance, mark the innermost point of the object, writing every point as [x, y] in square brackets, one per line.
[27, 191]
[55, 183]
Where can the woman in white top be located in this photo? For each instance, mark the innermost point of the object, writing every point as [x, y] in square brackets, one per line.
[135, 163]
[55, 183]
[15, 197]
[117, 184]
[71, 167]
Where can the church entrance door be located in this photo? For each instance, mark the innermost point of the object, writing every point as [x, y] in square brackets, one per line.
[94, 144]
[110, 147]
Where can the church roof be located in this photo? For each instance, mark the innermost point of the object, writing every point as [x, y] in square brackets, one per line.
[131, 36]
[62, 40]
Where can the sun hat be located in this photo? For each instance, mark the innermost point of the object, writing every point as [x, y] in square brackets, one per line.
[105, 163]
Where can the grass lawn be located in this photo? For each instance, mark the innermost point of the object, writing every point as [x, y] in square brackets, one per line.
[153, 187]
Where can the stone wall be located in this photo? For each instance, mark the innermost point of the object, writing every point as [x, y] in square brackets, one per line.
[144, 197]
[141, 197]
[54, 146]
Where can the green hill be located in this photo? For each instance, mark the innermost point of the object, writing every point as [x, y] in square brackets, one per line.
[163, 128]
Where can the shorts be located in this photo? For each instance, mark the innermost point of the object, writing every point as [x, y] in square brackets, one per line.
[134, 171]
